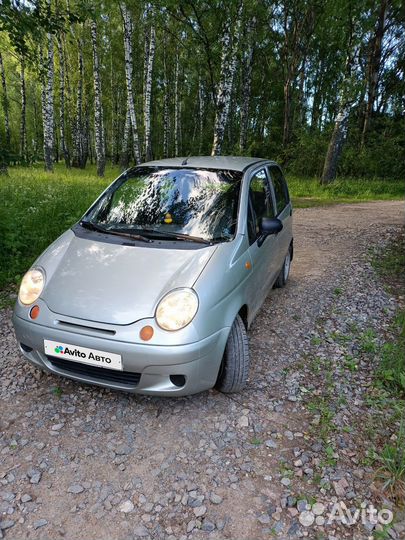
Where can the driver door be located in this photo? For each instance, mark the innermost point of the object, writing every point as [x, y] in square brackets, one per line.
[264, 262]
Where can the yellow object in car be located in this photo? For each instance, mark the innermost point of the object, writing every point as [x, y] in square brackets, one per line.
[168, 218]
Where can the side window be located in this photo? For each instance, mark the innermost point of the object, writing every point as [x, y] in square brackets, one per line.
[280, 189]
[259, 203]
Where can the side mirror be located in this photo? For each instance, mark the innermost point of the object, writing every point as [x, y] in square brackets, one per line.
[268, 226]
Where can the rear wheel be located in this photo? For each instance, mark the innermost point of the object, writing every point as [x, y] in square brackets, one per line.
[234, 369]
[284, 272]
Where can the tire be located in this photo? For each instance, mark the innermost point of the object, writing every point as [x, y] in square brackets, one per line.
[282, 278]
[234, 369]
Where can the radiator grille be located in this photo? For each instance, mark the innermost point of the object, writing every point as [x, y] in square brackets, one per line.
[127, 378]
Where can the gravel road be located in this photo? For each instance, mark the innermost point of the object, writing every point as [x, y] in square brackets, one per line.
[81, 462]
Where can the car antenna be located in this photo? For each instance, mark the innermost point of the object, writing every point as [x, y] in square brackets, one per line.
[184, 162]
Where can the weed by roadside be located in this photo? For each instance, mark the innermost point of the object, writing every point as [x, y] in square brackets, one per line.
[390, 376]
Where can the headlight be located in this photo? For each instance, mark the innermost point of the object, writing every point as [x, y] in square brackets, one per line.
[177, 309]
[31, 286]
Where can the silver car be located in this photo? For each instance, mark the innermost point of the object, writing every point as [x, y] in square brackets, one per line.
[153, 290]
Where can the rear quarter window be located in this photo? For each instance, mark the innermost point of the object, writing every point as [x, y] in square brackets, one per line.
[280, 189]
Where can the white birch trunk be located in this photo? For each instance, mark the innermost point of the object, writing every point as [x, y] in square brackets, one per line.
[62, 134]
[98, 107]
[128, 29]
[228, 68]
[148, 95]
[23, 123]
[201, 107]
[176, 107]
[146, 49]
[124, 161]
[335, 145]
[48, 113]
[79, 127]
[5, 103]
[247, 67]
[165, 108]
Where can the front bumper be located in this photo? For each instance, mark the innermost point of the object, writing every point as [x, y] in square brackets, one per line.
[156, 365]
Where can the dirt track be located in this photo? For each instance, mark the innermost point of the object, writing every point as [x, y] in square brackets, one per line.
[84, 463]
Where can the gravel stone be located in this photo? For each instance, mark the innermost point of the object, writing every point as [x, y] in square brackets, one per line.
[75, 489]
[6, 524]
[200, 511]
[126, 507]
[40, 523]
[215, 499]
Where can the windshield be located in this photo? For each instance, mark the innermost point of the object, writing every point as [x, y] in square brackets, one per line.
[198, 203]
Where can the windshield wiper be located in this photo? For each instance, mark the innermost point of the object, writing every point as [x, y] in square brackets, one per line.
[94, 227]
[177, 236]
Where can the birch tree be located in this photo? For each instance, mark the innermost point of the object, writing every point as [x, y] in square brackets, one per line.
[5, 102]
[247, 68]
[62, 135]
[201, 108]
[165, 106]
[128, 30]
[228, 68]
[346, 99]
[47, 110]
[23, 121]
[124, 160]
[98, 107]
[177, 107]
[80, 150]
[148, 94]
[336, 144]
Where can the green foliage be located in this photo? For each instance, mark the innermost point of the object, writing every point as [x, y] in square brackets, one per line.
[390, 264]
[37, 208]
[302, 45]
[384, 154]
[392, 364]
[392, 471]
[26, 22]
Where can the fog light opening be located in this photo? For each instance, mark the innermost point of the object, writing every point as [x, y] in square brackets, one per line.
[178, 380]
[25, 348]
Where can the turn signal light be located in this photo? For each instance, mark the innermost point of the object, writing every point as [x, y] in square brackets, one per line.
[146, 333]
[34, 312]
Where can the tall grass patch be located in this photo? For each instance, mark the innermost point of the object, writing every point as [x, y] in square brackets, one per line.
[390, 265]
[307, 192]
[37, 207]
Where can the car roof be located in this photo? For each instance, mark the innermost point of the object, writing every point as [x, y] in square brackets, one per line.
[232, 163]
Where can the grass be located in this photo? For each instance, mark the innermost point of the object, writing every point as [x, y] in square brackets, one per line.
[392, 364]
[391, 267]
[306, 192]
[38, 206]
[392, 471]
[391, 373]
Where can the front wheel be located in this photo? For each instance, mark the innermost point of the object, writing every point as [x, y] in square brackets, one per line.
[284, 272]
[234, 369]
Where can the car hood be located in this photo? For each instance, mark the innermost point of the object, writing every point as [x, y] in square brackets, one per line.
[117, 284]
